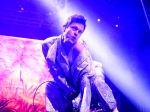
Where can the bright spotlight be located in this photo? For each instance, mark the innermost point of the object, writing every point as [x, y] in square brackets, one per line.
[98, 20]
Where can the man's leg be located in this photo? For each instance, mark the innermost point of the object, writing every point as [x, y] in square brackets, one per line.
[55, 101]
[85, 90]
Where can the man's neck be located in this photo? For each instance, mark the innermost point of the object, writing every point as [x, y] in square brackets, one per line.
[66, 45]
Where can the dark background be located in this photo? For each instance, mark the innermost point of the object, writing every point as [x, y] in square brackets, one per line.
[37, 22]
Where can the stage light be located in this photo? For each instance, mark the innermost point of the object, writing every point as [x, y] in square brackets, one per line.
[117, 66]
[98, 20]
[20, 8]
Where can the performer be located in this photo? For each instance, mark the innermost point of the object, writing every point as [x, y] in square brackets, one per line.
[75, 80]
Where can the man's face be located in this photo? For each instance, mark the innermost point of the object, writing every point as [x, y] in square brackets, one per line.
[73, 32]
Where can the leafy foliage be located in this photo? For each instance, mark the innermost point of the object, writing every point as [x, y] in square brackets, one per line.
[22, 99]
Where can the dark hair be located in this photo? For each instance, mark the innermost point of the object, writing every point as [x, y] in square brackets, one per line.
[76, 18]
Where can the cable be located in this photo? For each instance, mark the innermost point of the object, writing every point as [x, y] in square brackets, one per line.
[145, 14]
[35, 93]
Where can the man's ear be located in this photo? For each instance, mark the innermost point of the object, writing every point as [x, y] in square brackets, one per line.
[64, 28]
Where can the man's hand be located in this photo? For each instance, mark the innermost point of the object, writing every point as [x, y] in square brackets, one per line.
[70, 93]
[115, 110]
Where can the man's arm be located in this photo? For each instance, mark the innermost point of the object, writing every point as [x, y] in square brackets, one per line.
[86, 69]
[82, 71]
